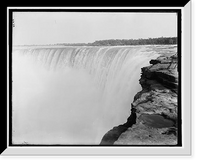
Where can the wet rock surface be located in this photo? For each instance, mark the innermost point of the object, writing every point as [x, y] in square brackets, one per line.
[140, 134]
[155, 121]
[154, 108]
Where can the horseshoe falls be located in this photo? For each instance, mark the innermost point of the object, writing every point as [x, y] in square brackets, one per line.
[72, 95]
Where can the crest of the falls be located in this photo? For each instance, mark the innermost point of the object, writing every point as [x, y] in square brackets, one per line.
[73, 95]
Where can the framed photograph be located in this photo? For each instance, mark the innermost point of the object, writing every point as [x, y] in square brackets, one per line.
[98, 80]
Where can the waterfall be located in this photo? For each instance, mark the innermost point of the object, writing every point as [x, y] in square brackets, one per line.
[73, 95]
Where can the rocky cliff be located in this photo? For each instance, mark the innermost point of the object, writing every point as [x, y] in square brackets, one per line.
[153, 119]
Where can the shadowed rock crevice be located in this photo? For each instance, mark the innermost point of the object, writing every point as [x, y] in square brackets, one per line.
[111, 136]
[156, 121]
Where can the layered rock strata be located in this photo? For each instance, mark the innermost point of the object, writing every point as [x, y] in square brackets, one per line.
[153, 119]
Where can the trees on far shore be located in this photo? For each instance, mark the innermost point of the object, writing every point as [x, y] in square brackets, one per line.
[116, 42]
[120, 42]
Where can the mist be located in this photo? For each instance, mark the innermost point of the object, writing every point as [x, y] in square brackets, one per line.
[68, 106]
[54, 107]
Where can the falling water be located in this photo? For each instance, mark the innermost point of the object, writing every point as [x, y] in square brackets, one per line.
[74, 95]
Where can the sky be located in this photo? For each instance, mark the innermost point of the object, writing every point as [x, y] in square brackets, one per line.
[81, 27]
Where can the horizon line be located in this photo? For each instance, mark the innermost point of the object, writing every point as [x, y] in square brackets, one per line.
[89, 43]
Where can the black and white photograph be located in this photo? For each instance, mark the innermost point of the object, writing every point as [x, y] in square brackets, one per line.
[108, 78]
[98, 81]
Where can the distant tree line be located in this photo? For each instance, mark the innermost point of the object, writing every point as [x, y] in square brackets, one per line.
[116, 42]
[119, 42]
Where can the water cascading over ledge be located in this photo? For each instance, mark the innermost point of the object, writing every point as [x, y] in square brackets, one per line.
[74, 95]
[154, 118]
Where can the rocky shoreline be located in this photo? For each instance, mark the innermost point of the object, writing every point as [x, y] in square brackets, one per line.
[154, 111]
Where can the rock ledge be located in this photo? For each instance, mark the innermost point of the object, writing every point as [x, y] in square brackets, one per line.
[153, 119]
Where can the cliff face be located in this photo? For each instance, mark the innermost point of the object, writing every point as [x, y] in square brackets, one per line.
[153, 119]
